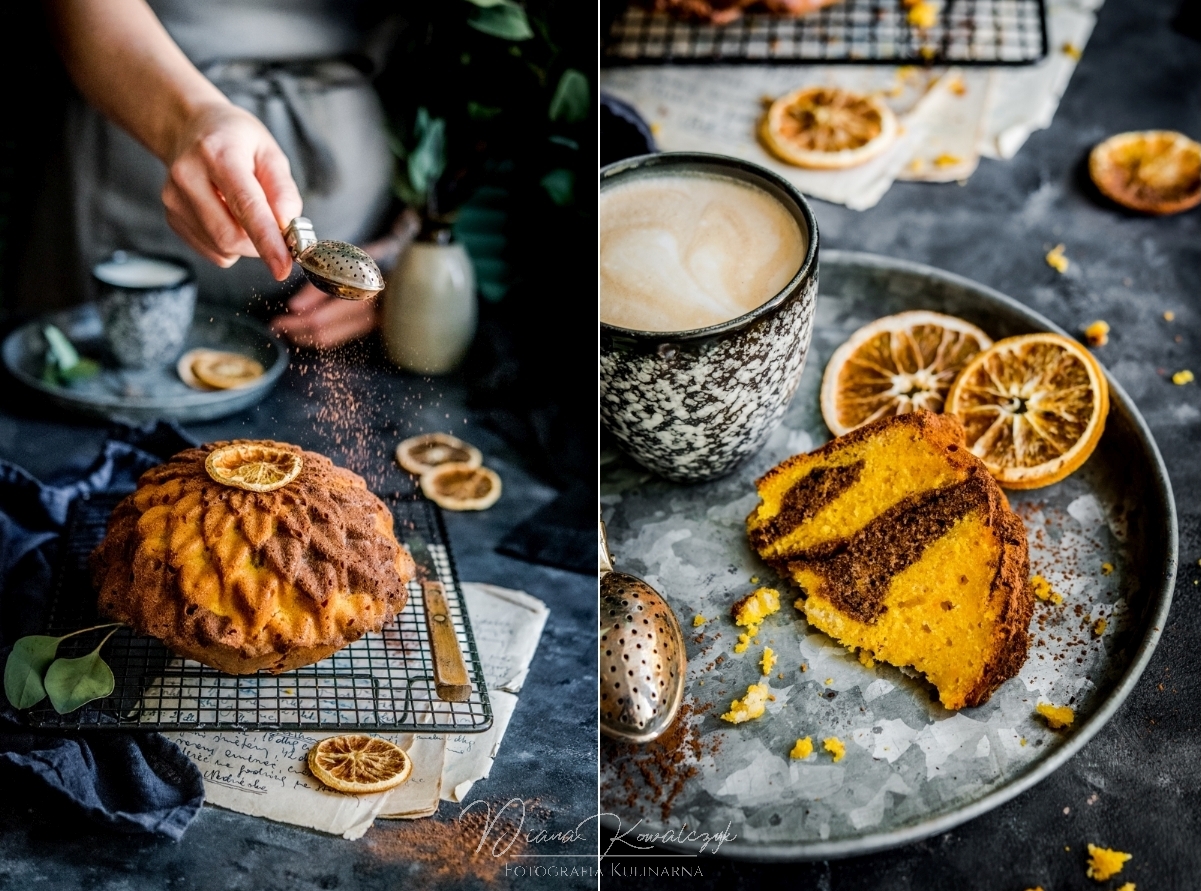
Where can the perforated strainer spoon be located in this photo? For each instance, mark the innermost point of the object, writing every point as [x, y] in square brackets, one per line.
[334, 267]
[642, 658]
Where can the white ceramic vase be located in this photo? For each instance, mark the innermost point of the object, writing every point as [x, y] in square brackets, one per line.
[430, 314]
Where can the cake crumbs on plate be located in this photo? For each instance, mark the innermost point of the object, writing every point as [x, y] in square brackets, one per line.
[1072, 51]
[1043, 590]
[768, 660]
[802, 749]
[1105, 863]
[1169, 316]
[1180, 378]
[1056, 716]
[750, 706]
[1056, 259]
[698, 621]
[1099, 626]
[1106, 569]
[750, 611]
[835, 747]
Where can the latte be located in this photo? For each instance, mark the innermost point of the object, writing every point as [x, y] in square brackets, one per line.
[685, 251]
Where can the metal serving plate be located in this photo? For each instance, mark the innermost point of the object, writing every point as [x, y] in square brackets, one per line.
[117, 394]
[912, 769]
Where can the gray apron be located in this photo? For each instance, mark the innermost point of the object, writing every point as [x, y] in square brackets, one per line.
[282, 61]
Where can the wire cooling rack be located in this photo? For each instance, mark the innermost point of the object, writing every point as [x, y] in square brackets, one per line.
[967, 32]
[382, 682]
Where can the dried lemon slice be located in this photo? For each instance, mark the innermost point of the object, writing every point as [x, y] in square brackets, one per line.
[1155, 171]
[1033, 408]
[359, 764]
[254, 466]
[421, 453]
[461, 486]
[225, 371]
[896, 365]
[828, 128]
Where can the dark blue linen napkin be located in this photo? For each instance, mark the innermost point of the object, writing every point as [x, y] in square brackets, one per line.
[129, 782]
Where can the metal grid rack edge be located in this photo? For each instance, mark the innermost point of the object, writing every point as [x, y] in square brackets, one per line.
[404, 644]
[832, 35]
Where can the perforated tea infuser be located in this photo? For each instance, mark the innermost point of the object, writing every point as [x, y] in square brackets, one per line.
[642, 657]
[334, 267]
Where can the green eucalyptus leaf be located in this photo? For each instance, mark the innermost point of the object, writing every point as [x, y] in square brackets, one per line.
[25, 668]
[478, 112]
[505, 20]
[485, 4]
[75, 682]
[81, 370]
[64, 353]
[573, 98]
[560, 186]
[480, 228]
[428, 159]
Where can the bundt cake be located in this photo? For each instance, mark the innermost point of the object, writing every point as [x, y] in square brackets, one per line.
[283, 561]
[906, 550]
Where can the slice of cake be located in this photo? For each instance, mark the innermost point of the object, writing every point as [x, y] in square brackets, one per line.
[905, 549]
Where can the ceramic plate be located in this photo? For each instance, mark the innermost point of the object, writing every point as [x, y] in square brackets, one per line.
[145, 395]
[1105, 538]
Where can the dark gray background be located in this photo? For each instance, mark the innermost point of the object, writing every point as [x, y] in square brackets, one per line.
[1144, 767]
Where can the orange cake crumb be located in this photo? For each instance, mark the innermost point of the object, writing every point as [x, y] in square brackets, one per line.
[802, 749]
[1104, 863]
[1097, 334]
[1057, 717]
[768, 660]
[752, 705]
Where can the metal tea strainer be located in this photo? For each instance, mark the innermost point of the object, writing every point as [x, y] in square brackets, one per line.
[642, 659]
[334, 267]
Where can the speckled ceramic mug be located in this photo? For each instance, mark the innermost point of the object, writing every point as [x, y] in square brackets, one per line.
[691, 405]
[145, 302]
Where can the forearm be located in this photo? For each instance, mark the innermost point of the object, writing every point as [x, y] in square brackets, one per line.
[126, 64]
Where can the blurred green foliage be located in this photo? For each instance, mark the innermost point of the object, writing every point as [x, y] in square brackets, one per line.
[494, 128]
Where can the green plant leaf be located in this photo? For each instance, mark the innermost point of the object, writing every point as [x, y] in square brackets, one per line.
[81, 370]
[75, 682]
[61, 349]
[485, 4]
[573, 98]
[427, 161]
[505, 20]
[479, 112]
[25, 668]
[560, 186]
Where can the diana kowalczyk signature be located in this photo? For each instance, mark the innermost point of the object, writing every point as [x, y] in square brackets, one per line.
[504, 835]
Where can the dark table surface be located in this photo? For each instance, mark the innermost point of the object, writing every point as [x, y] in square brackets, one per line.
[1137, 785]
[351, 406]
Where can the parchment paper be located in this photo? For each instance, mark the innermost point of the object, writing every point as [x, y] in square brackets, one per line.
[264, 773]
[950, 117]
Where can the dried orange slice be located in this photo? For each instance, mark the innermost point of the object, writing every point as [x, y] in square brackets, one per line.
[1155, 171]
[421, 453]
[225, 371]
[896, 365]
[183, 368]
[254, 466]
[1033, 407]
[359, 764]
[461, 486]
[828, 128]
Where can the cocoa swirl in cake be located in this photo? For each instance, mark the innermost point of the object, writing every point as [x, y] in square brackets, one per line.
[246, 581]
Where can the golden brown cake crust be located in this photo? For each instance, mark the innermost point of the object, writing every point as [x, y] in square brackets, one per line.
[862, 564]
[248, 581]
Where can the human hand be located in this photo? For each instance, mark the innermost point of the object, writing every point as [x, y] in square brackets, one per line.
[229, 189]
[315, 319]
